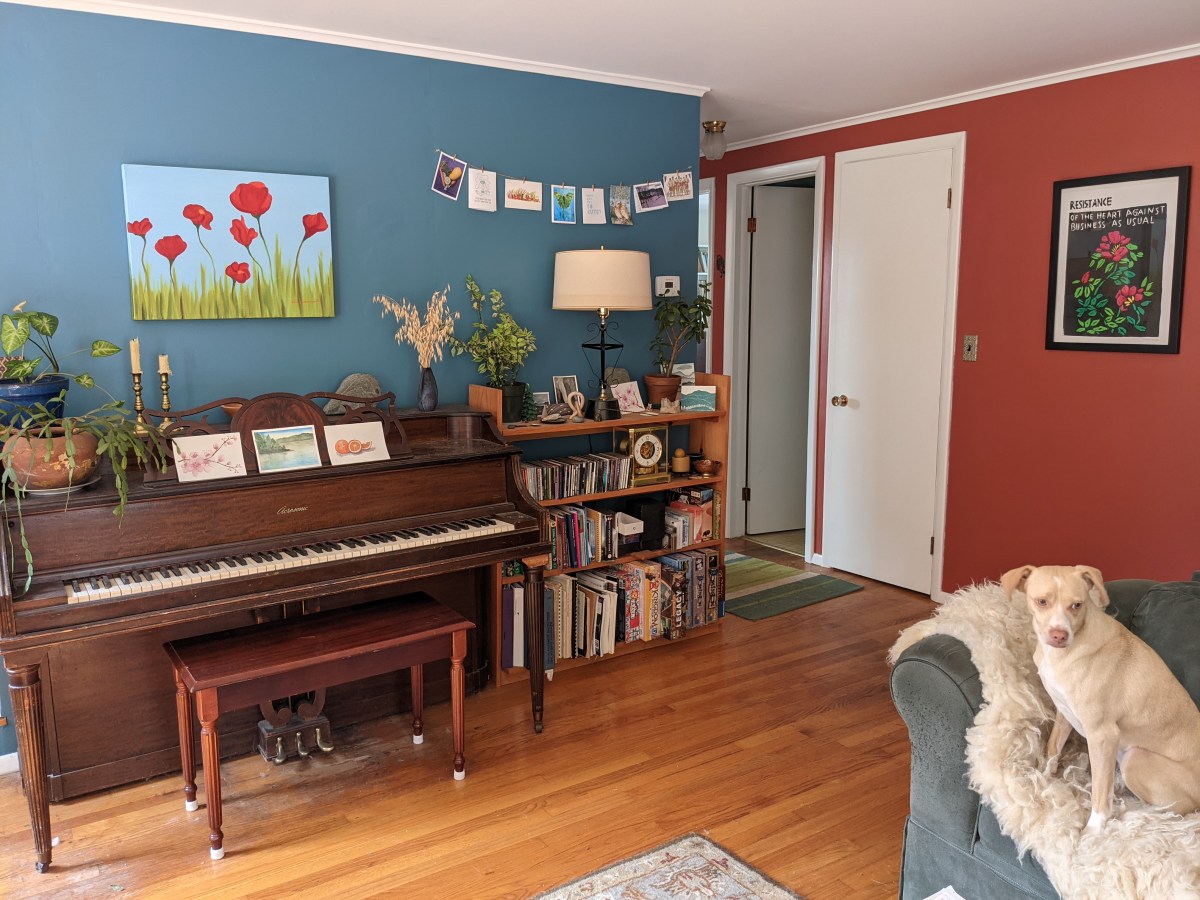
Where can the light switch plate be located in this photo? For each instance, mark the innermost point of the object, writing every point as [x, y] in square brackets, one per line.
[666, 286]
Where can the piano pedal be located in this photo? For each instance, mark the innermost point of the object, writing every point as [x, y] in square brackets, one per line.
[280, 756]
[326, 746]
[301, 750]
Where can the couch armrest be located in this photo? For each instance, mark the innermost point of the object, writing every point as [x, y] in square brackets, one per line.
[936, 689]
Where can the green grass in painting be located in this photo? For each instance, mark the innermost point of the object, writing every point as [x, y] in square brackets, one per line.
[284, 294]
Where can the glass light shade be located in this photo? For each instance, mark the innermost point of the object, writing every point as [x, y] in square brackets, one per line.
[602, 279]
[712, 142]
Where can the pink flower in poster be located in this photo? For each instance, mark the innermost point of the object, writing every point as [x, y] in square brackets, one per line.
[1128, 295]
[1114, 246]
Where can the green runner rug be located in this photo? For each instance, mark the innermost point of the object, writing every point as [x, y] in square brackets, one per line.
[756, 589]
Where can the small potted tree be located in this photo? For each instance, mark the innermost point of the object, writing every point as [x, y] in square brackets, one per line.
[499, 349]
[677, 323]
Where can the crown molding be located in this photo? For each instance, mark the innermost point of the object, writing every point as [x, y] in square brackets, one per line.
[363, 42]
[1011, 87]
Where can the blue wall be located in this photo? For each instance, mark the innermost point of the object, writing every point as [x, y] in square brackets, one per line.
[81, 94]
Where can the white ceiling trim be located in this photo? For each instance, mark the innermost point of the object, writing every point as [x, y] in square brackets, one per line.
[1131, 62]
[321, 36]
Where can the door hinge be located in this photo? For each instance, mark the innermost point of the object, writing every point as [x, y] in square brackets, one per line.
[752, 225]
[746, 495]
[949, 194]
[931, 545]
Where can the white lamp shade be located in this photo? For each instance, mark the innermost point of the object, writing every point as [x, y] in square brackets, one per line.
[602, 279]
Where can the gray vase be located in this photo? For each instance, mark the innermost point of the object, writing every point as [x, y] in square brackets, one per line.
[427, 396]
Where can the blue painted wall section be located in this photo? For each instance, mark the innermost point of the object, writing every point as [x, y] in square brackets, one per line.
[81, 94]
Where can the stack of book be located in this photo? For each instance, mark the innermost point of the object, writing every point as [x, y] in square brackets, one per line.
[570, 476]
[581, 536]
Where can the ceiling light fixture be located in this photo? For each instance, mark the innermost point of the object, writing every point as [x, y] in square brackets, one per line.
[712, 142]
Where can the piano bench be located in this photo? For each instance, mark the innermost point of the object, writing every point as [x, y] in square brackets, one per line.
[220, 672]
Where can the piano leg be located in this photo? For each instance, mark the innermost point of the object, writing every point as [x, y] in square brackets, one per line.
[210, 750]
[185, 711]
[416, 675]
[25, 690]
[458, 683]
[535, 623]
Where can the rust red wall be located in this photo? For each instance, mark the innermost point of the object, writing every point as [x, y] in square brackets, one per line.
[1055, 456]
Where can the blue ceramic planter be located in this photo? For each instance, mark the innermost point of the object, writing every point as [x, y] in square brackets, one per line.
[17, 394]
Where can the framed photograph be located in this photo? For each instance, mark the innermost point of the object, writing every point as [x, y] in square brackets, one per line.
[628, 396]
[355, 443]
[203, 457]
[291, 447]
[1116, 262]
[649, 196]
[564, 386]
[540, 398]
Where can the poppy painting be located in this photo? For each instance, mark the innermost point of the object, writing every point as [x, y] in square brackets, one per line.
[216, 244]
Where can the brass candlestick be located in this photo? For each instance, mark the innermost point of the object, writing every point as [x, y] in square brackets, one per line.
[164, 381]
[138, 406]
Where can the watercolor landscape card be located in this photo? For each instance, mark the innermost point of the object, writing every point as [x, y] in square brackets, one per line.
[291, 447]
[217, 244]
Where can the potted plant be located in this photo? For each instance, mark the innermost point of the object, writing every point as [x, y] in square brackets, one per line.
[677, 322]
[42, 448]
[499, 349]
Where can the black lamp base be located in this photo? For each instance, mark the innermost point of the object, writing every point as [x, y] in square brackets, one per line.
[606, 409]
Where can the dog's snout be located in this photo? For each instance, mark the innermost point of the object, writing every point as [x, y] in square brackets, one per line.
[1058, 637]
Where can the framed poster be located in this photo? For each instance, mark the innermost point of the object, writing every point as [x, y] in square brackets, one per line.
[1116, 262]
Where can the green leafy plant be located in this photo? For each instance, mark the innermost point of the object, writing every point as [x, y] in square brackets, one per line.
[22, 328]
[500, 348]
[678, 322]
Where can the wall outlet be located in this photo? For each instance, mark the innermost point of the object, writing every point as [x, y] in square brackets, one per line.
[666, 286]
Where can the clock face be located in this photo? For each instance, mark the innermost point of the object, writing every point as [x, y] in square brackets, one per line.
[647, 450]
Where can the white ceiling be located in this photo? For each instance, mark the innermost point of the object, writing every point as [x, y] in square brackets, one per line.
[768, 67]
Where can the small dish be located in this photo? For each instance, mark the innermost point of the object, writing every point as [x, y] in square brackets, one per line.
[707, 467]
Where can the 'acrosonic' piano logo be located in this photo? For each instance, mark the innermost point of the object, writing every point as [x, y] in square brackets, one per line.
[288, 510]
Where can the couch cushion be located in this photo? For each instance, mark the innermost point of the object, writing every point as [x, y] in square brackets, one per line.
[1168, 619]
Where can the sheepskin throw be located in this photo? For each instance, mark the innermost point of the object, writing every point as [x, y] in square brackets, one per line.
[1140, 853]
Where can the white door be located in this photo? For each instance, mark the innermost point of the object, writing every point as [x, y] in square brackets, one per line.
[894, 264]
[780, 334]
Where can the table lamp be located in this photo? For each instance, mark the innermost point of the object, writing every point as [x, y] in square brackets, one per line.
[602, 281]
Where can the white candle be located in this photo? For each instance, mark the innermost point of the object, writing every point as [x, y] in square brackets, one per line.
[164, 367]
[135, 356]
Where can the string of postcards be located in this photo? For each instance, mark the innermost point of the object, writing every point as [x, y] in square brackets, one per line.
[568, 204]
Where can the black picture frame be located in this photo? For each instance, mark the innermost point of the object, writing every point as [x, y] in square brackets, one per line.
[1117, 247]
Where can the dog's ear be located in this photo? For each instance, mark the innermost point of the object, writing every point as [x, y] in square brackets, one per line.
[1095, 580]
[1014, 579]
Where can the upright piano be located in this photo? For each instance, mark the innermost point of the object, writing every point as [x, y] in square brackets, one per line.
[92, 692]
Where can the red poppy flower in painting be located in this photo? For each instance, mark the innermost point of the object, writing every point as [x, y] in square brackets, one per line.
[238, 271]
[198, 216]
[242, 233]
[141, 228]
[252, 198]
[314, 224]
[1114, 246]
[170, 246]
[1128, 295]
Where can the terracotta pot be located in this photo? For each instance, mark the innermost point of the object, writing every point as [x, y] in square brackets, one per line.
[26, 458]
[661, 387]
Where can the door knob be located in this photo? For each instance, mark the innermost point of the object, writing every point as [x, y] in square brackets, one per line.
[840, 400]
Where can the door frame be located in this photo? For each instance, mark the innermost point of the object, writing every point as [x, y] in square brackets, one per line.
[736, 361]
[708, 187]
[956, 143]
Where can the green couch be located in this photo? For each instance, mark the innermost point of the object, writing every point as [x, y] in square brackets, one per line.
[951, 836]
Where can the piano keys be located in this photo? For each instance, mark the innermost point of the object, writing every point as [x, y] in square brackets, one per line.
[92, 691]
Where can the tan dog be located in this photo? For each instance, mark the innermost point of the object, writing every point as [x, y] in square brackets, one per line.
[1113, 689]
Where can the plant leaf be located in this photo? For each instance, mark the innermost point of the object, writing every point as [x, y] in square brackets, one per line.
[13, 333]
[104, 348]
[43, 323]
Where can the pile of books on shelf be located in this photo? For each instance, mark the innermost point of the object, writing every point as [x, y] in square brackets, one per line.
[592, 613]
[581, 536]
[570, 476]
[692, 516]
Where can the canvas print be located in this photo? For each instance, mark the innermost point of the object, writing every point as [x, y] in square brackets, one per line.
[649, 196]
[562, 212]
[203, 457]
[217, 244]
[520, 194]
[355, 443]
[448, 176]
[290, 447]
[1117, 254]
[619, 204]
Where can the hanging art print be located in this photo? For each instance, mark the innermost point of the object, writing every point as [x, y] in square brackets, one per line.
[217, 244]
[1116, 262]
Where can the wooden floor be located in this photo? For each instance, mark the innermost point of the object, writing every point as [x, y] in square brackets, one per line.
[777, 739]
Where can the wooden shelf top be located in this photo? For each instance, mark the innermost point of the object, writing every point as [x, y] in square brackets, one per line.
[534, 430]
[638, 554]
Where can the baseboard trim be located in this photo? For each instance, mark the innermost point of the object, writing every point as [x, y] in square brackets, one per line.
[8, 763]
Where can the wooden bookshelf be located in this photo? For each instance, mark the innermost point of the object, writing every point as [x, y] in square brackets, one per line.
[707, 431]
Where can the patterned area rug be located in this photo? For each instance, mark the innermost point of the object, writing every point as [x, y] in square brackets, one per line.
[756, 589]
[687, 867]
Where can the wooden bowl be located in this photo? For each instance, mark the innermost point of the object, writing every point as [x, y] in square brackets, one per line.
[230, 408]
[707, 467]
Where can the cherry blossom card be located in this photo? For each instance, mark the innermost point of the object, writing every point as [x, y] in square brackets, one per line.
[203, 457]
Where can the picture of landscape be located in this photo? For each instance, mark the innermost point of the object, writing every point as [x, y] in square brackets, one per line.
[280, 449]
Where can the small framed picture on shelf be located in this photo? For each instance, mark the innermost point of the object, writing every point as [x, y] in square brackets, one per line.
[564, 386]
[628, 396]
[698, 398]
[540, 398]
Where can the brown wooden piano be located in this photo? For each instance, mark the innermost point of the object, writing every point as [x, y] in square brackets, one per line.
[92, 690]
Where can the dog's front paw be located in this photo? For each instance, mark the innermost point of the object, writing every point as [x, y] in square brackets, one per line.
[1096, 821]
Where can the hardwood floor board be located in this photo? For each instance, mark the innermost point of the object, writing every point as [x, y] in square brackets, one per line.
[777, 739]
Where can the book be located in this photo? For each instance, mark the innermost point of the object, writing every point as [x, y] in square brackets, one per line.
[518, 625]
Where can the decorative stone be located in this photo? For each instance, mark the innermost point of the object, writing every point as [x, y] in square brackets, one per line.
[357, 385]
